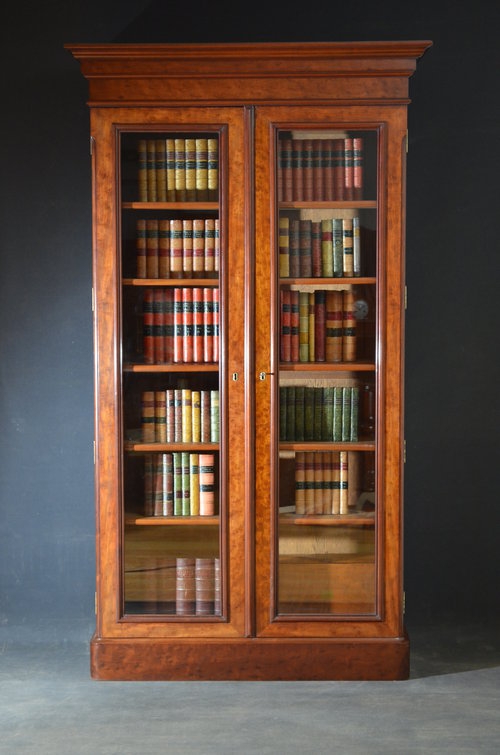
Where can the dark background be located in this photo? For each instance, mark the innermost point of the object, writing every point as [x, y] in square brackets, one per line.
[452, 360]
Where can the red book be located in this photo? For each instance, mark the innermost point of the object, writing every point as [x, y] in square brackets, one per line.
[217, 246]
[168, 333]
[294, 326]
[207, 485]
[208, 325]
[198, 325]
[297, 171]
[215, 297]
[286, 332]
[148, 325]
[187, 322]
[178, 325]
[158, 326]
[319, 325]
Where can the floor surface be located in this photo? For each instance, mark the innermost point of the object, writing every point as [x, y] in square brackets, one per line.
[451, 704]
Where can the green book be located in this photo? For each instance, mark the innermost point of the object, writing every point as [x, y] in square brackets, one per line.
[309, 413]
[283, 428]
[290, 412]
[346, 414]
[338, 247]
[327, 415]
[337, 414]
[177, 469]
[318, 413]
[186, 484]
[299, 412]
[354, 413]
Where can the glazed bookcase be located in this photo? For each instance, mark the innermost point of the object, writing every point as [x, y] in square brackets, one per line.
[249, 322]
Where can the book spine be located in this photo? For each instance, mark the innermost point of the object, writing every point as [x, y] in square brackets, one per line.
[336, 482]
[346, 414]
[207, 485]
[194, 473]
[286, 333]
[140, 245]
[164, 248]
[190, 158]
[284, 247]
[316, 248]
[176, 248]
[213, 168]
[356, 247]
[170, 414]
[327, 414]
[348, 248]
[196, 416]
[358, 168]
[168, 303]
[161, 173]
[208, 325]
[177, 415]
[142, 170]
[294, 326]
[308, 413]
[337, 414]
[187, 323]
[217, 246]
[303, 326]
[160, 417]
[187, 248]
[180, 170]
[338, 247]
[151, 170]
[151, 249]
[308, 170]
[287, 169]
[320, 325]
[305, 249]
[148, 325]
[185, 589]
[349, 169]
[170, 168]
[354, 413]
[294, 247]
[309, 482]
[209, 251]
[348, 328]
[187, 415]
[300, 483]
[198, 266]
[215, 299]
[299, 413]
[177, 482]
[198, 325]
[158, 326]
[148, 416]
[318, 188]
[178, 326]
[344, 471]
[338, 169]
[214, 417]
[333, 340]
[297, 171]
[186, 484]
[201, 150]
[312, 328]
[205, 416]
[327, 248]
[205, 586]
[318, 483]
[328, 172]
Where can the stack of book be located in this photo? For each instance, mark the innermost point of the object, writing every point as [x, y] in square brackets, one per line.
[178, 169]
[179, 484]
[180, 415]
[321, 482]
[175, 248]
[181, 325]
[326, 248]
[317, 326]
[198, 587]
[309, 413]
[320, 170]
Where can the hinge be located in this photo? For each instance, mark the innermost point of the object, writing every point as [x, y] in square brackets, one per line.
[92, 142]
[93, 299]
[404, 602]
[404, 452]
[407, 140]
[406, 297]
[95, 603]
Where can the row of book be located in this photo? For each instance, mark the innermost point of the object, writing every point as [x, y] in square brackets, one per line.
[320, 170]
[181, 325]
[175, 248]
[197, 587]
[178, 169]
[318, 326]
[180, 415]
[311, 413]
[179, 484]
[321, 482]
[326, 248]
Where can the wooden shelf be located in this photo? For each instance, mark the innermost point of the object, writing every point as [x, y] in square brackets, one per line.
[198, 367]
[203, 206]
[140, 447]
[339, 282]
[172, 521]
[355, 204]
[205, 282]
[327, 367]
[330, 520]
[314, 445]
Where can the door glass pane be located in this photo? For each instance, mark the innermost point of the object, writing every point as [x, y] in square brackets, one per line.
[326, 266]
[172, 398]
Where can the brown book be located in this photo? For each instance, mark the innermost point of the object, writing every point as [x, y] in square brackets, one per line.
[217, 246]
[348, 248]
[358, 168]
[170, 168]
[177, 415]
[309, 482]
[158, 325]
[205, 586]
[198, 266]
[148, 485]
[336, 482]
[213, 168]
[151, 170]
[160, 413]
[348, 169]
[286, 333]
[209, 251]
[318, 173]
[338, 169]
[163, 485]
[348, 328]
[187, 248]
[307, 170]
[176, 248]
[294, 246]
[297, 170]
[140, 244]
[215, 299]
[170, 415]
[201, 148]
[328, 171]
[305, 248]
[284, 247]
[151, 249]
[190, 161]
[148, 416]
[344, 484]
[142, 170]
[148, 327]
[286, 157]
[180, 170]
[316, 248]
[161, 173]
[294, 326]
[185, 590]
[320, 326]
[164, 248]
[334, 319]
[300, 483]
[168, 303]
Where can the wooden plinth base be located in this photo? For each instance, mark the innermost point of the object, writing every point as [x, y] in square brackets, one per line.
[249, 659]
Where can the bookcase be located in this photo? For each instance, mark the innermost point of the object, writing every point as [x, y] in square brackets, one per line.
[249, 289]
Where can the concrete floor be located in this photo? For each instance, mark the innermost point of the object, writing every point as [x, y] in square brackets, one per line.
[451, 704]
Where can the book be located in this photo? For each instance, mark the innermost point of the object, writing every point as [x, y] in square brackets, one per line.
[152, 248]
[303, 326]
[198, 326]
[209, 251]
[285, 325]
[164, 248]
[148, 416]
[307, 170]
[286, 169]
[333, 329]
[318, 171]
[284, 246]
[213, 168]
[198, 247]
[348, 248]
[141, 267]
[161, 173]
[151, 170]
[297, 172]
[176, 243]
[190, 168]
[187, 248]
[207, 484]
[160, 417]
[194, 473]
[319, 325]
[201, 168]
[147, 329]
[348, 327]
[358, 166]
[170, 168]
[180, 169]
[204, 586]
[142, 174]
[186, 415]
[305, 249]
[187, 325]
[294, 248]
[185, 590]
[327, 248]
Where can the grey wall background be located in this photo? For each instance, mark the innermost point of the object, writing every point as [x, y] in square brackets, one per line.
[452, 363]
